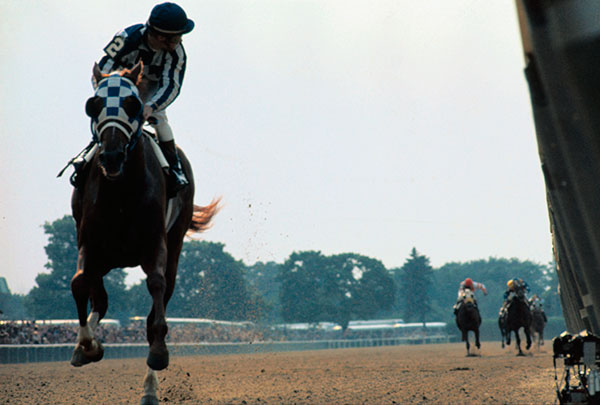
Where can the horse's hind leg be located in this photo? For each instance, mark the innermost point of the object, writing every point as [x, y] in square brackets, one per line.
[528, 338]
[88, 349]
[477, 343]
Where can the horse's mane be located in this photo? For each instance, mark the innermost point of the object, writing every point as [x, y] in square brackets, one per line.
[122, 72]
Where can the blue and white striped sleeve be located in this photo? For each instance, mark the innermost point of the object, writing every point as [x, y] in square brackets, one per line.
[171, 80]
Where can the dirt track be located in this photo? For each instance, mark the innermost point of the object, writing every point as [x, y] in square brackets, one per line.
[385, 375]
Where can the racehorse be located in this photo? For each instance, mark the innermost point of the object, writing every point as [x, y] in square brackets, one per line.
[468, 319]
[517, 316]
[125, 219]
[539, 320]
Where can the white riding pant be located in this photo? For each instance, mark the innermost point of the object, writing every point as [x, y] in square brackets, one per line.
[162, 127]
[147, 89]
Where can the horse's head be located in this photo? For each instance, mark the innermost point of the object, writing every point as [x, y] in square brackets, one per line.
[520, 294]
[116, 113]
[535, 303]
[468, 296]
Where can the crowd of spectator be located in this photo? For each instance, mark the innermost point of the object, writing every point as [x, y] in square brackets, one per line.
[32, 332]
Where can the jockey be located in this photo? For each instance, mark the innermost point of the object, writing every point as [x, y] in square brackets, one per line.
[535, 304]
[512, 287]
[467, 284]
[158, 44]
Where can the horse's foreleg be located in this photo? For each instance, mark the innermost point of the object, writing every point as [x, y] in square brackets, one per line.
[518, 342]
[87, 348]
[156, 326]
[528, 338]
[465, 338]
[150, 387]
[477, 343]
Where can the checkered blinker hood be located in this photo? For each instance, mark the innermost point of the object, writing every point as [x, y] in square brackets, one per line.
[116, 103]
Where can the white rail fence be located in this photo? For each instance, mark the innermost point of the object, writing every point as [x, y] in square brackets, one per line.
[62, 352]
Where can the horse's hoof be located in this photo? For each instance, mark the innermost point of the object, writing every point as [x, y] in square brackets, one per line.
[149, 400]
[521, 354]
[81, 357]
[78, 359]
[158, 361]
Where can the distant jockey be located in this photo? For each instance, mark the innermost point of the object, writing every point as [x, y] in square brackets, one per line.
[467, 284]
[512, 288]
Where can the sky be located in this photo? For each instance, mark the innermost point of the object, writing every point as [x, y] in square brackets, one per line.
[369, 127]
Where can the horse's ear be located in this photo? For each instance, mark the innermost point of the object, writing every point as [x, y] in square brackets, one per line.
[132, 106]
[135, 73]
[97, 74]
[93, 106]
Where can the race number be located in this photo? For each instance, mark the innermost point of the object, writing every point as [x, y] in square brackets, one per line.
[114, 46]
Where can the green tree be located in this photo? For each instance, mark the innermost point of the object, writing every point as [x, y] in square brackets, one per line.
[339, 288]
[262, 277]
[211, 284]
[51, 298]
[550, 296]
[366, 287]
[414, 281]
[302, 287]
[12, 307]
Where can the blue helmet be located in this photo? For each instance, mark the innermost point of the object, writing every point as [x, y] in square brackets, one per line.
[170, 19]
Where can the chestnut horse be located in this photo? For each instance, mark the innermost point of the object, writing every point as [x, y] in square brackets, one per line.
[124, 219]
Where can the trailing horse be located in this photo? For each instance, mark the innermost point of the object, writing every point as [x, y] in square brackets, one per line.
[125, 219]
[539, 320]
[518, 315]
[468, 319]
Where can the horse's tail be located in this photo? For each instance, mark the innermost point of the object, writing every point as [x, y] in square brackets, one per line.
[202, 216]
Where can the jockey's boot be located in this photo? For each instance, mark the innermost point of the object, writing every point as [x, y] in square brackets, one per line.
[177, 179]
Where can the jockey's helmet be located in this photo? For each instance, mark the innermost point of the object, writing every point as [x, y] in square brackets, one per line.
[510, 284]
[170, 19]
[468, 283]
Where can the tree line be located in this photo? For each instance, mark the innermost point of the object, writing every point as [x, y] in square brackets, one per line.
[307, 287]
